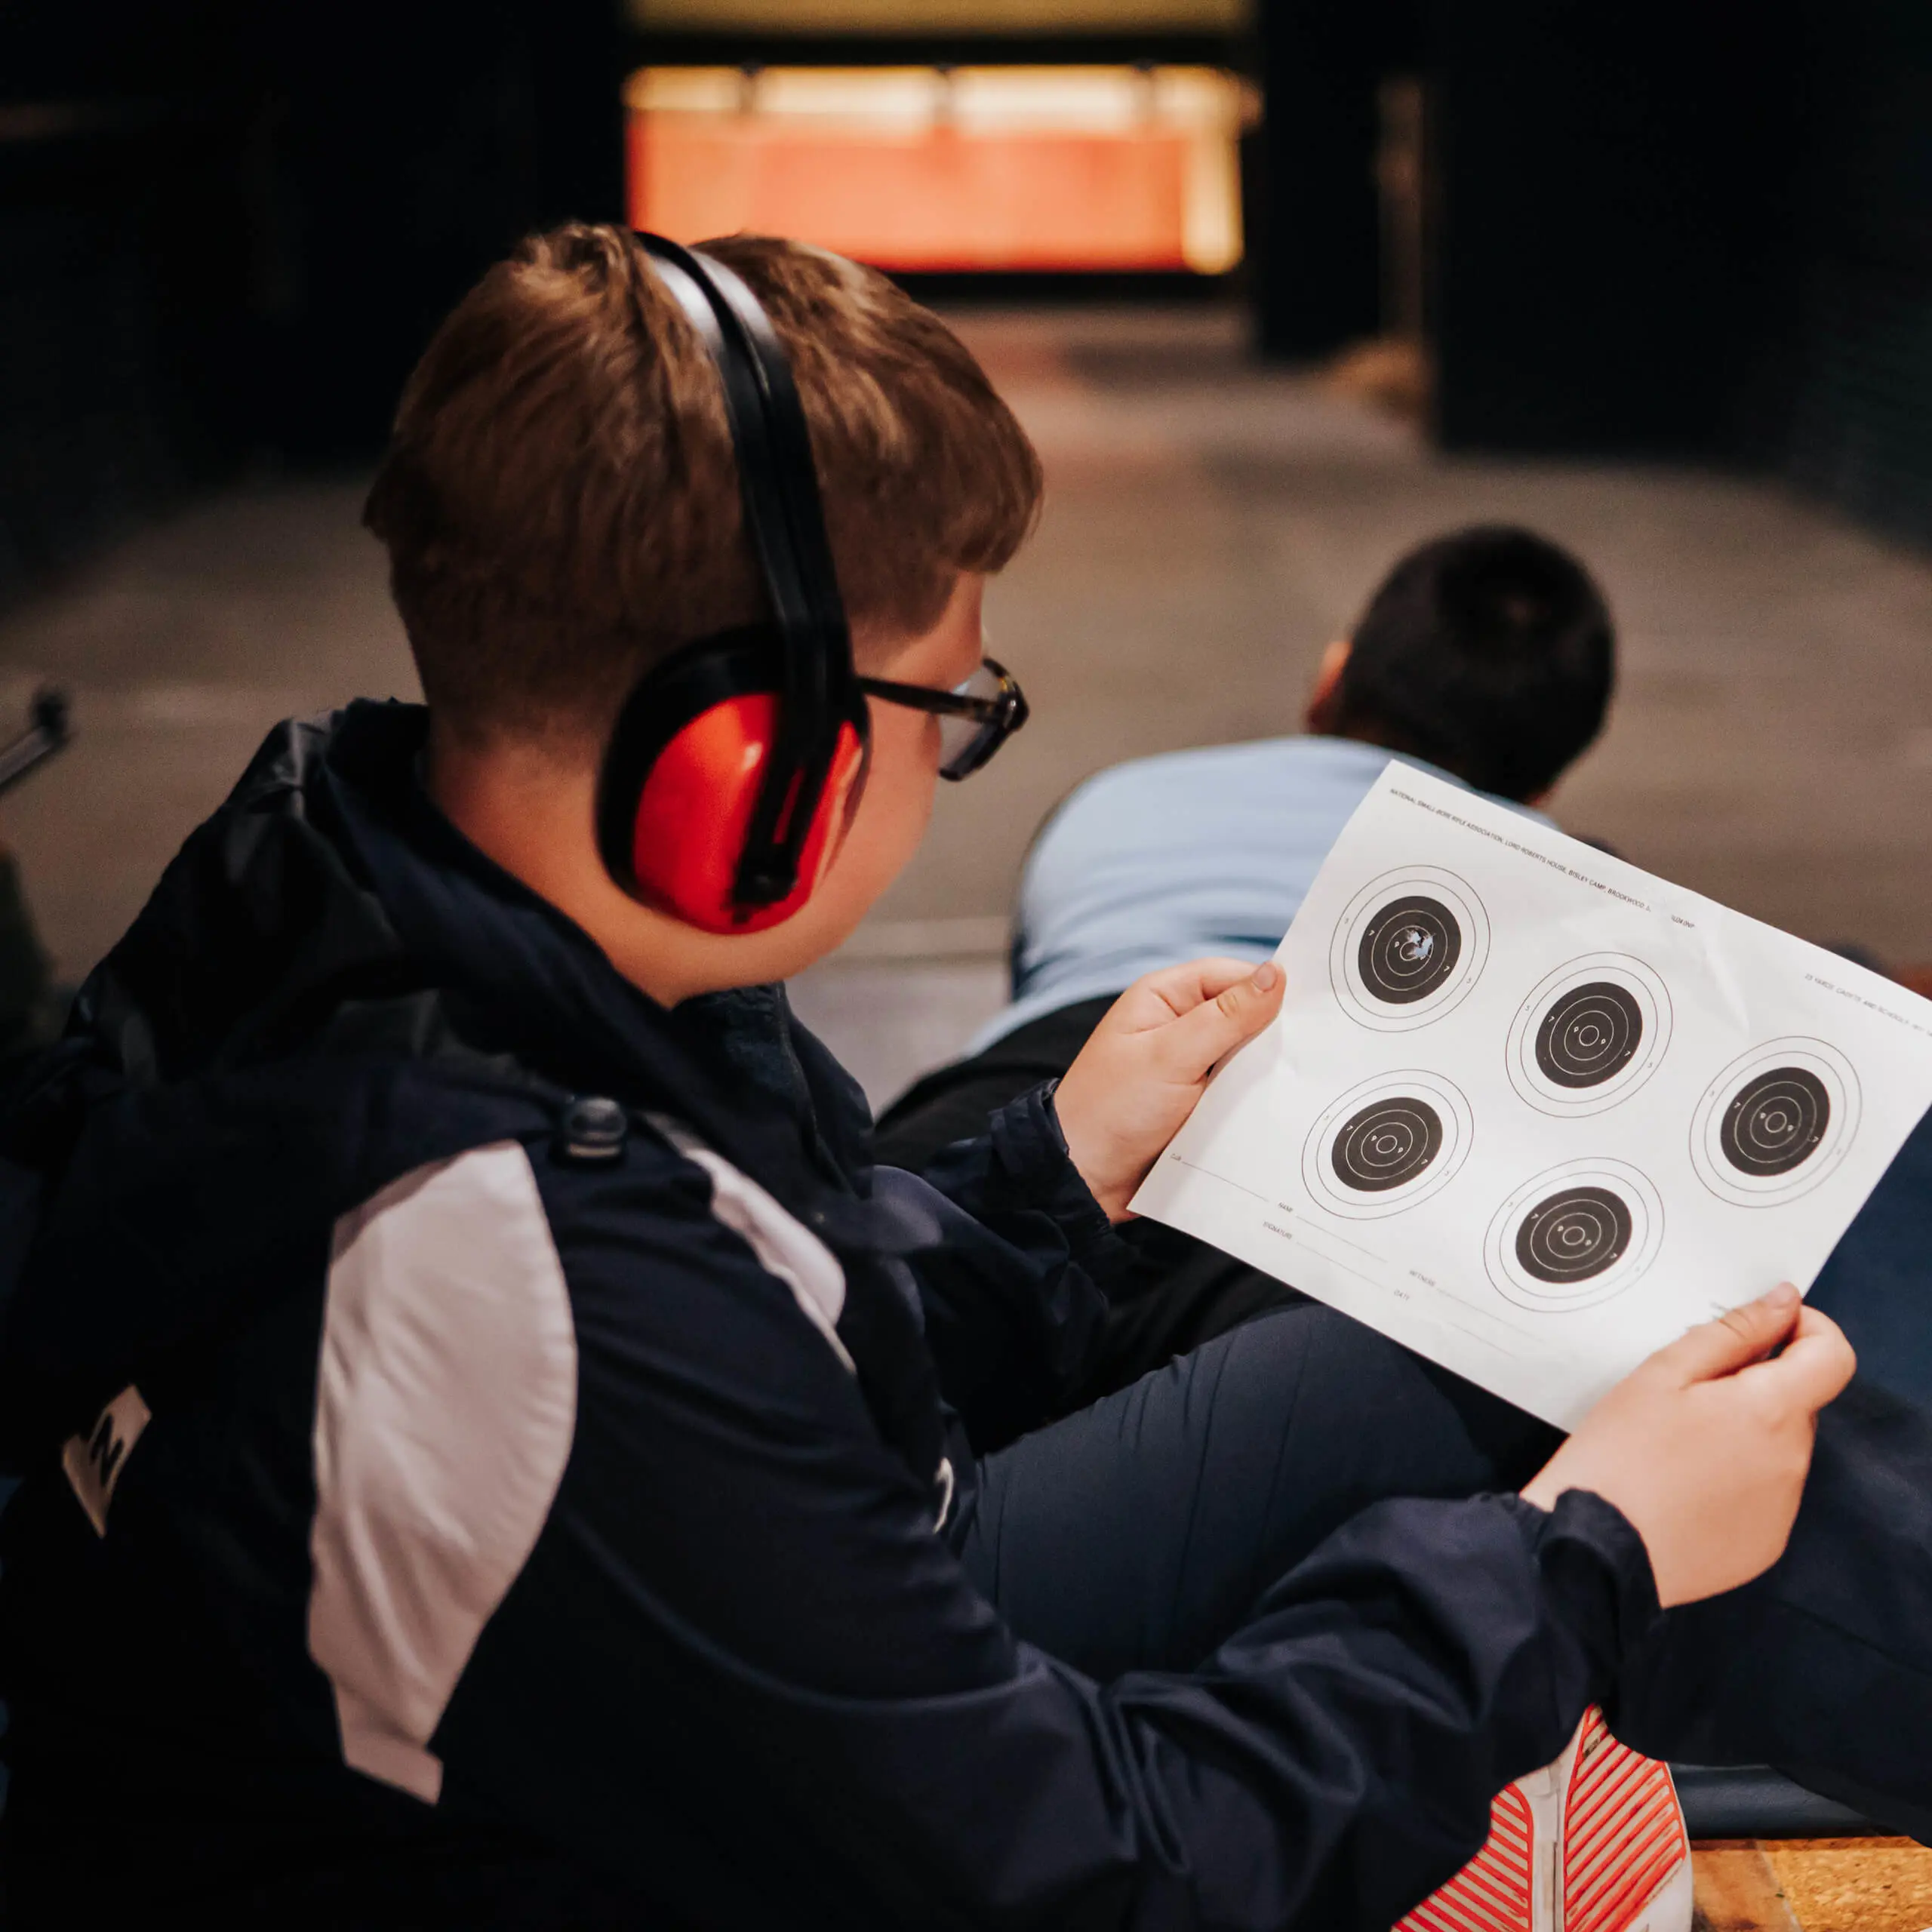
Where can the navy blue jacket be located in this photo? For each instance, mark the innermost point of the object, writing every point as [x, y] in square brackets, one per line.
[447, 1503]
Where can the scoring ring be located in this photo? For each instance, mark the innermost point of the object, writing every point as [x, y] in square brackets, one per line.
[1573, 1236]
[1386, 1144]
[1589, 1035]
[1776, 1122]
[1408, 948]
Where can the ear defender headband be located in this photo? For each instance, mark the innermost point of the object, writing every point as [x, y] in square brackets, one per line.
[735, 764]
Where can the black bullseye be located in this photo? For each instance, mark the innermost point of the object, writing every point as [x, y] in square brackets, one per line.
[1387, 1143]
[1572, 1235]
[1775, 1122]
[1409, 949]
[1589, 1036]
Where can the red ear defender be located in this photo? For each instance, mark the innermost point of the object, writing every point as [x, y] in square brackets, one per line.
[689, 831]
[683, 775]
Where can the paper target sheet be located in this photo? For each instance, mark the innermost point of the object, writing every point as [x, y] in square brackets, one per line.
[1532, 1112]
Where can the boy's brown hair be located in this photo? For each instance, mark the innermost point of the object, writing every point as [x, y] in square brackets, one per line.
[560, 501]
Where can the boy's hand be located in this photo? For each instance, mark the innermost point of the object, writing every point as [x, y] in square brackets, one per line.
[1138, 1075]
[1706, 1446]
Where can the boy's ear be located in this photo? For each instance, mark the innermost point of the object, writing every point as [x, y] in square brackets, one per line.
[1324, 695]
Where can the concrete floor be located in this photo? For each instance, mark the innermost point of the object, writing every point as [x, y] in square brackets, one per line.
[1210, 526]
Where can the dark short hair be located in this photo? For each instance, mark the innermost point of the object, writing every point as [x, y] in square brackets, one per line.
[1489, 652]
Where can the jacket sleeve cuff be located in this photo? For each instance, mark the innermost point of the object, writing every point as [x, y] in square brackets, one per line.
[1029, 1151]
[1597, 1574]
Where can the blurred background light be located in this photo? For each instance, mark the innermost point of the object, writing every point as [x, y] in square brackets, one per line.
[934, 17]
[941, 169]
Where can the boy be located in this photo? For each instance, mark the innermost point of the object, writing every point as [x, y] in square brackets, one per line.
[496, 1451]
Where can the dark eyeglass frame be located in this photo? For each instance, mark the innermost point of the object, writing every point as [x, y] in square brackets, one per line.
[998, 716]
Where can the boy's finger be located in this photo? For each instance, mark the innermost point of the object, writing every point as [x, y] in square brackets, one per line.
[1816, 1363]
[1739, 1336]
[1198, 1041]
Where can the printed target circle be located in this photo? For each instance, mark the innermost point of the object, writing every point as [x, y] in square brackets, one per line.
[1409, 947]
[1775, 1122]
[1589, 1035]
[1574, 1236]
[1386, 1144]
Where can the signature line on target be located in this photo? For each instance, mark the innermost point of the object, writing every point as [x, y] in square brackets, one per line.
[1196, 1166]
[1329, 1234]
[1336, 1261]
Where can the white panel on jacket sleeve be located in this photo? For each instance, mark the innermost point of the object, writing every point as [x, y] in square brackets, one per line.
[783, 1244]
[445, 1407]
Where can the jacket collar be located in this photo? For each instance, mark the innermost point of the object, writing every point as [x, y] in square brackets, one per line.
[528, 980]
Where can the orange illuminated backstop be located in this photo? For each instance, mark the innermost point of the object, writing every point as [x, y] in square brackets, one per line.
[918, 168]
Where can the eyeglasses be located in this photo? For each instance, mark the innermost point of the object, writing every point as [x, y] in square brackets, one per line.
[976, 717]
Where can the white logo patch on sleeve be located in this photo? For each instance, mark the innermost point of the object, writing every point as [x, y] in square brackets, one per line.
[94, 1462]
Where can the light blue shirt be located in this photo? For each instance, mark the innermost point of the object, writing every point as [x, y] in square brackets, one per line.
[1168, 859]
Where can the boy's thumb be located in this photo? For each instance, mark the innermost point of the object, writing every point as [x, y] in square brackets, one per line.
[1740, 1336]
[1204, 1037]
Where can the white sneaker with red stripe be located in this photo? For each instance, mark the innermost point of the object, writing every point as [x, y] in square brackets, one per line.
[1593, 1843]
